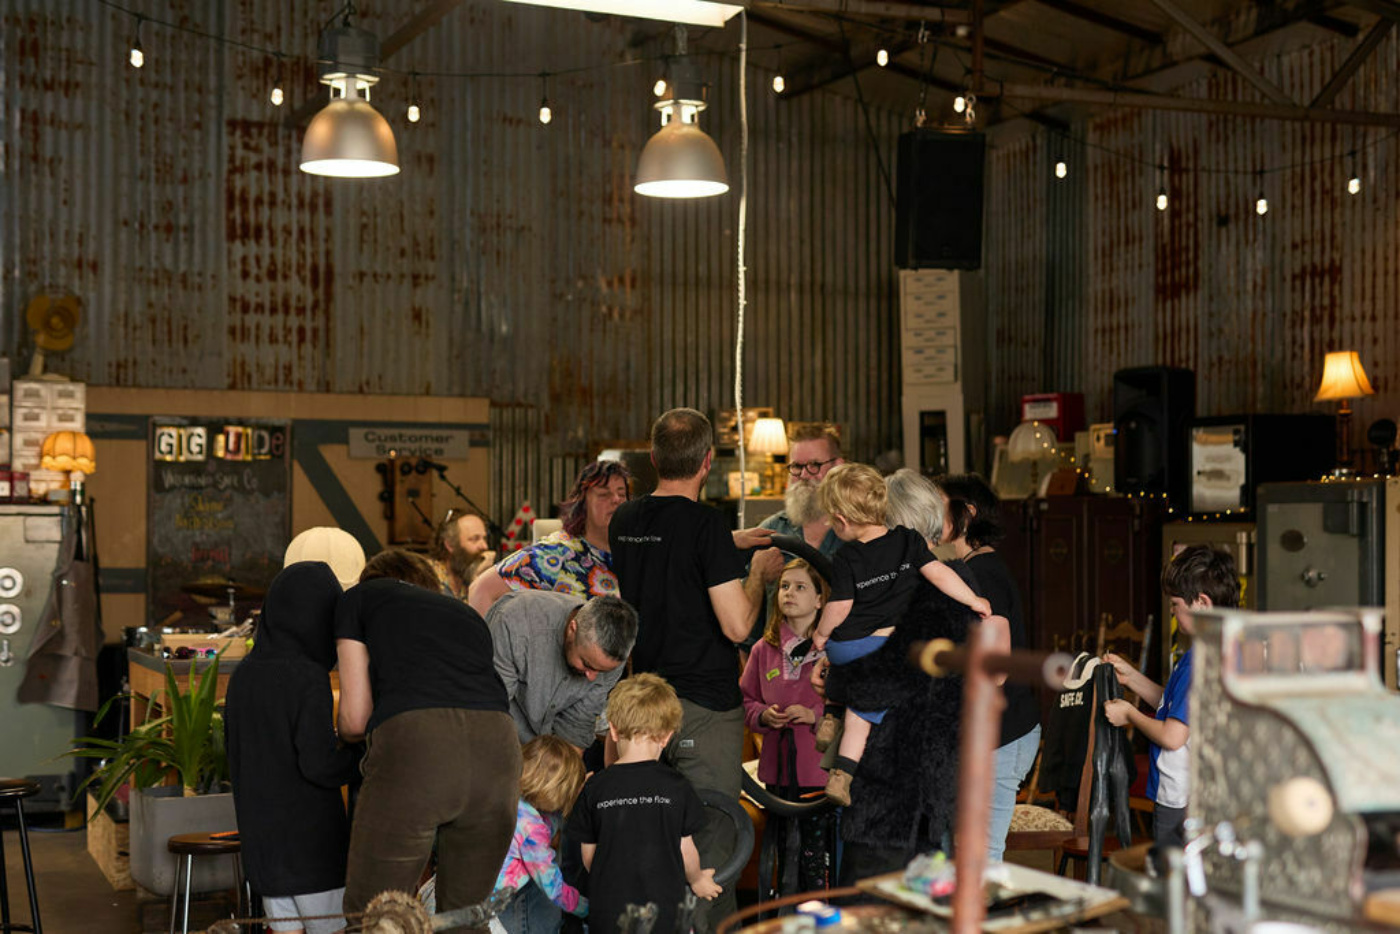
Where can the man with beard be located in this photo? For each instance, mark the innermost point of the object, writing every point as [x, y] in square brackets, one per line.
[559, 657]
[459, 552]
[815, 449]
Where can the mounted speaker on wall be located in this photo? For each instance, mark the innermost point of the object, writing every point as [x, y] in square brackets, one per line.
[1152, 407]
[938, 202]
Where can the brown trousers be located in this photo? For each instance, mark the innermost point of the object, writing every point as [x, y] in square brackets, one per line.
[446, 774]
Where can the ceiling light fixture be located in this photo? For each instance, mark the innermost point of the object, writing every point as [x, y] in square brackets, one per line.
[882, 58]
[680, 160]
[1161, 187]
[546, 114]
[277, 96]
[349, 138]
[415, 113]
[137, 56]
[694, 12]
[1354, 183]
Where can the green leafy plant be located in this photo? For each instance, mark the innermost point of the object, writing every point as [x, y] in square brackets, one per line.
[187, 739]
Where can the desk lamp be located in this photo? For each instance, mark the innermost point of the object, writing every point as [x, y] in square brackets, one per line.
[70, 452]
[769, 436]
[1343, 378]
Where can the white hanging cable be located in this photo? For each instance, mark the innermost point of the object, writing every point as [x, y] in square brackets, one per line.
[743, 214]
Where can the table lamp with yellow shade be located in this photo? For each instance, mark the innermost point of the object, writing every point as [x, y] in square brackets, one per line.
[769, 437]
[1343, 378]
[70, 452]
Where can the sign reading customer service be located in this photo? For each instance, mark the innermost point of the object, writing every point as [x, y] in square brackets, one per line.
[434, 443]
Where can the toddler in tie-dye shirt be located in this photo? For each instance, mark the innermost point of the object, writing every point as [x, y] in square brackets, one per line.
[550, 781]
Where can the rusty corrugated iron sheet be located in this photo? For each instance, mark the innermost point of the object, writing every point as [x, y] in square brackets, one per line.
[1250, 303]
[508, 260]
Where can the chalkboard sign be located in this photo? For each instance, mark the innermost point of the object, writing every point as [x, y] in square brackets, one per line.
[219, 508]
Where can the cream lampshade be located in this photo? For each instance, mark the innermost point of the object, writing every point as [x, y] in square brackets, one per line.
[769, 436]
[1343, 378]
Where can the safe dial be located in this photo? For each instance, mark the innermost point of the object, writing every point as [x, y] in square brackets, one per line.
[10, 619]
[11, 582]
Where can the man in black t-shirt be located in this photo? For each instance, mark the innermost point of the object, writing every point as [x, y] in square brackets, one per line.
[680, 567]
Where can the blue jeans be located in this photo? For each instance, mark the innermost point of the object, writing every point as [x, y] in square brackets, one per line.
[530, 912]
[1014, 760]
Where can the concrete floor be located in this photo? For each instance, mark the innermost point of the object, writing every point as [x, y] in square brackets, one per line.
[75, 898]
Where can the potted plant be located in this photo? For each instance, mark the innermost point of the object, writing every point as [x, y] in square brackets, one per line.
[186, 743]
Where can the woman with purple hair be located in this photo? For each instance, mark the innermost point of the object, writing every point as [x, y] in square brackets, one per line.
[575, 560]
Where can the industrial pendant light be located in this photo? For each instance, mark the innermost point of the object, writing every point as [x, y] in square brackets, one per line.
[349, 138]
[680, 161]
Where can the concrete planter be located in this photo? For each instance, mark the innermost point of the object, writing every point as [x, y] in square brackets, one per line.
[157, 814]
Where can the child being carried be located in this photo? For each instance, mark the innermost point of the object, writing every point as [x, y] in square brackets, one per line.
[875, 576]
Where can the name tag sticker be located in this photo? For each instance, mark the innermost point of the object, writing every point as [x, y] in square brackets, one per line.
[772, 673]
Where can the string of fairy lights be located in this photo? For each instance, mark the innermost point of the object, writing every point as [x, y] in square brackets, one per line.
[965, 104]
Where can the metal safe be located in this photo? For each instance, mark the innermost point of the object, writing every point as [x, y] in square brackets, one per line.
[1321, 544]
[32, 736]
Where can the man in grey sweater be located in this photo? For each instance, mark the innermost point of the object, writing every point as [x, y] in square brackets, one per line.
[559, 657]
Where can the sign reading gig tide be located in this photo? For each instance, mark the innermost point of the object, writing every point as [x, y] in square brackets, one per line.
[194, 443]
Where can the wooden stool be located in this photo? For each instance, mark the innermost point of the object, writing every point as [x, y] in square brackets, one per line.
[16, 790]
[186, 846]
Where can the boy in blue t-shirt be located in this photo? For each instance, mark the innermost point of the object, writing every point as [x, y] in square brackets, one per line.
[1198, 578]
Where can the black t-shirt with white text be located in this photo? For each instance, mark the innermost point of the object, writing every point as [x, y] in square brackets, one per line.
[881, 576]
[636, 814]
[668, 551]
[426, 650]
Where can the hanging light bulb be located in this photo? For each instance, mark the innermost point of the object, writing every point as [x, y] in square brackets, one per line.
[1161, 187]
[778, 84]
[659, 88]
[959, 104]
[1354, 183]
[1061, 168]
[882, 57]
[349, 138]
[680, 160]
[276, 96]
[546, 114]
[1161, 199]
[137, 58]
[415, 113]
[1261, 204]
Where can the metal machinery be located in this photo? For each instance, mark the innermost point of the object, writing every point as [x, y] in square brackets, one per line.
[1295, 771]
[1333, 543]
[31, 735]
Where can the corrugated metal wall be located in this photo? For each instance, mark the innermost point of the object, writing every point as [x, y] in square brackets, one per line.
[1250, 303]
[508, 260]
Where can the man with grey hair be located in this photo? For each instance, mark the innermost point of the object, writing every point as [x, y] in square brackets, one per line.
[559, 657]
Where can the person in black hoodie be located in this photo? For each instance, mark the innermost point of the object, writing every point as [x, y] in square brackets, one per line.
[286, 763]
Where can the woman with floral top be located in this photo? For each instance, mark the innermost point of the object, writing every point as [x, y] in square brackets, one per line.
[575, 560]
[549, 782]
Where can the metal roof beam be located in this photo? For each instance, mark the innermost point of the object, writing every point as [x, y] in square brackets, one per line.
[1224, 52]
[885, 9]
[1289, 112]
[1354, 61]
[1099, 18]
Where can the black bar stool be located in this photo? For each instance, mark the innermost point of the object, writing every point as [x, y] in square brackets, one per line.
[15, 790]
[186, 846]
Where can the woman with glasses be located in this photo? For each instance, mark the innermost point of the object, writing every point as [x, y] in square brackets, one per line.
[577, 559]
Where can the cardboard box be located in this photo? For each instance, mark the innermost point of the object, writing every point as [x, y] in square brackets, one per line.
[109, 845]
[27, 447]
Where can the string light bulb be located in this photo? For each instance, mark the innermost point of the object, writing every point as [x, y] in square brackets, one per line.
[276, 96]
[882, 57]
[546, 114]
[959, 104]
[1261, 204]
[415, 113]
[1161, 187]
[778, 84]
[1354, 183]
[659, 88]
[137, 58]
[1061, 168]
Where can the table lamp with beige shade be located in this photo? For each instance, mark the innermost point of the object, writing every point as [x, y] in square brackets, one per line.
[769, 438]
[1343, 378]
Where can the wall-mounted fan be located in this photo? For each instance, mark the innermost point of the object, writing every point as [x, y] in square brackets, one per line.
[53, 316]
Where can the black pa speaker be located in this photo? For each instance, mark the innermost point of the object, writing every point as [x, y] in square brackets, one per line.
[1152, 409]
[938, 200]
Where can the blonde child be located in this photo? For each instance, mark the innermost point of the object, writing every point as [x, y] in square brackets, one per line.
[875, 576]
[550, 780]
[635, 820]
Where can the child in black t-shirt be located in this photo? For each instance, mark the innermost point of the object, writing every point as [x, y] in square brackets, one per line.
[636, 818]
[875, 575]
